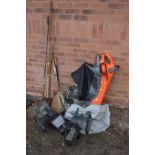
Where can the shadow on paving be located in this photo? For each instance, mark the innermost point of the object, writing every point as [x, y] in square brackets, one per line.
[112, 142]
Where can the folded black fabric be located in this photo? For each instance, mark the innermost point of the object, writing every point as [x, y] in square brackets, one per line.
[87, 80]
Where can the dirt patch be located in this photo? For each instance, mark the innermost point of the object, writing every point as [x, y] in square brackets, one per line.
[114, 141]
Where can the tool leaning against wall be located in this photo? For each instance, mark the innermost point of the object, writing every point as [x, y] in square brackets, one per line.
[51, 66]
[48, 65]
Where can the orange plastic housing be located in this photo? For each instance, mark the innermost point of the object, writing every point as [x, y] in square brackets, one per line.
[105, 78]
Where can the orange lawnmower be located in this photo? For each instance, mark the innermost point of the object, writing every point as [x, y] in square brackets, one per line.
[93, 80]
[107, 67]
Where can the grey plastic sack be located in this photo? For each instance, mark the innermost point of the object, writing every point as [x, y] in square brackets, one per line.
[100, 117]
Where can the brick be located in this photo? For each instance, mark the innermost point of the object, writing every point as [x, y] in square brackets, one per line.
[88, 56]
[116, 6]
[125, 1]
[88, 11]
[38, 47]
[106, 12]
[28, 64]
[57, 10]
[72, 11]
[98, 6]
[96, 30]
[112, 42]
[73, 55]
[80, 17]
[122, 12]
[115, 19]
[72, 0]
[88, 46]
[100, 0]
[65, 17]
[126, 54]
[29, 71]
[127, 6]
[47, 5]
[34, 4]
[85, 1]
[80, 50]
[103, 0]
[58, 0]
[64, 39]
[28, 27]
[29, 10]
[68, 45]
[42, 10]
[80, 5]
[30, 79]
[79, 60]
[64, 5]
[100, 30]
[95, 18]
[80, 40]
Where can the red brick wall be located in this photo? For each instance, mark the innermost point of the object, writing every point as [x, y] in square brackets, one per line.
[83, 28]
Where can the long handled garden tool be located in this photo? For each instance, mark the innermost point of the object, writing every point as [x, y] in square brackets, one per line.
[48, 65]
[57, 104]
